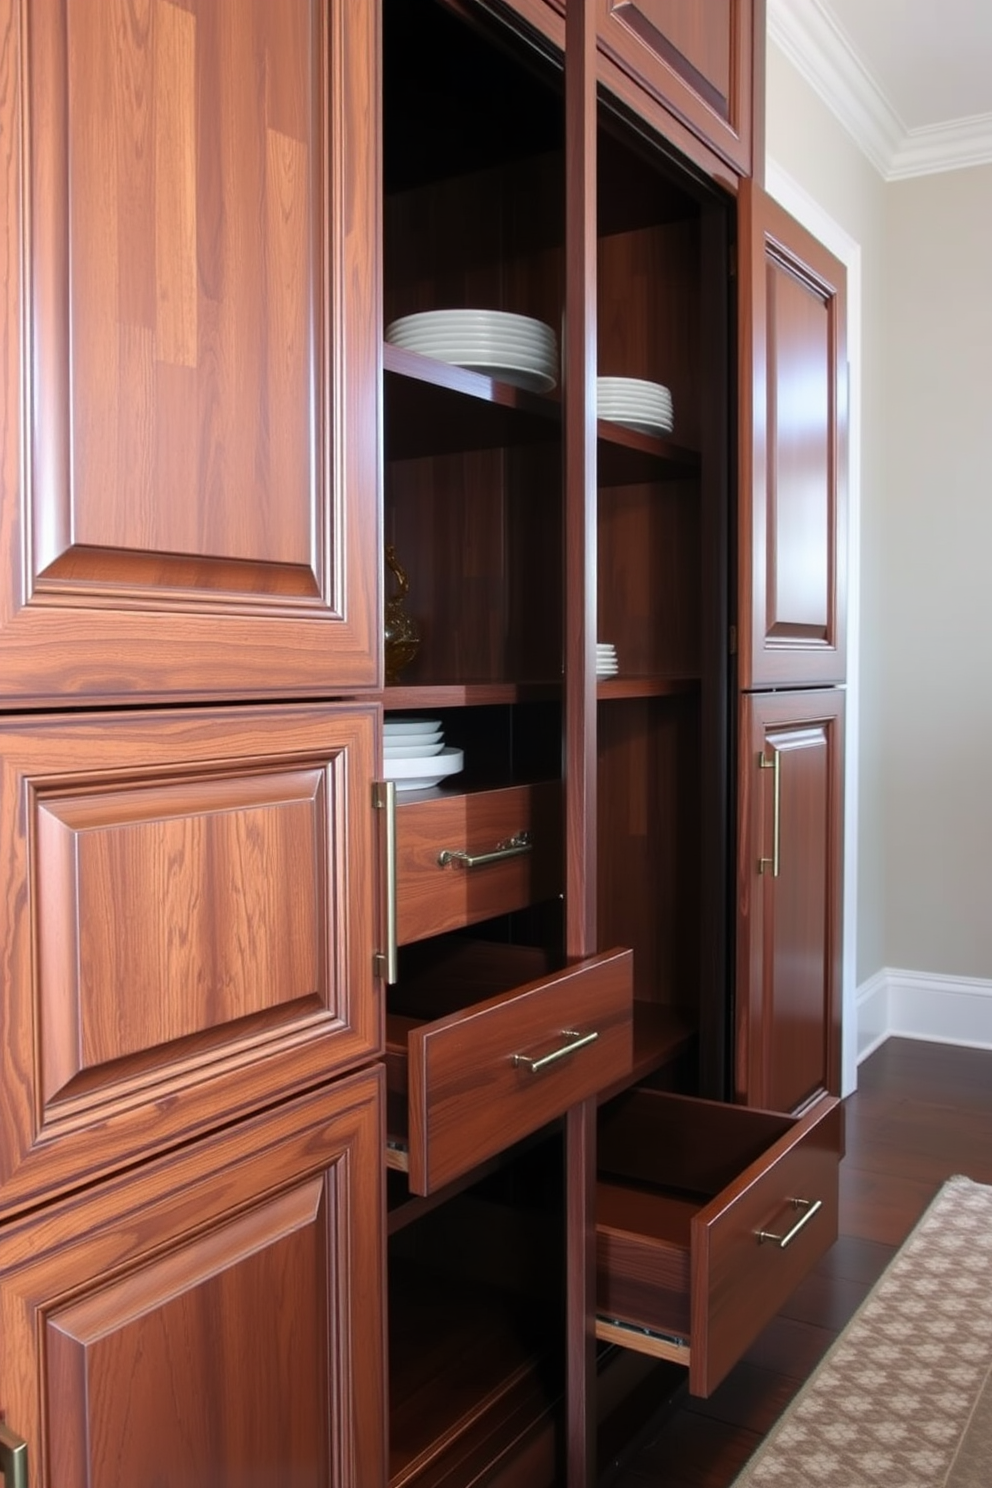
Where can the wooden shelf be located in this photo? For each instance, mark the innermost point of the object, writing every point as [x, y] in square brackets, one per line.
[611, 688]
[466, 695]
[661, 1035]
[435, 408]
[625, 457]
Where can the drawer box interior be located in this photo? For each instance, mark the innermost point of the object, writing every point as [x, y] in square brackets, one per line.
[707, 1217]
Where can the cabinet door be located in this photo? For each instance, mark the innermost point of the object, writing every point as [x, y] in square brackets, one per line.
[186, 911]
[793, 480]
[789, 898]
[190, 317]
[695, 59]
[215, 1317]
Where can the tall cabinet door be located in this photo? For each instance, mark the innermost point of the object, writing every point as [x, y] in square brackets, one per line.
[789, 897]
[189, 327]
[213, 1318]
[793, 475]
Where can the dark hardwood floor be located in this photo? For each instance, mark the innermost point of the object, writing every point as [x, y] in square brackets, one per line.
[921, 1113]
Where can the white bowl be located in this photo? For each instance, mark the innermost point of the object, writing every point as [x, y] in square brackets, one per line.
[393, 728]
[413, 774]
[425, 746]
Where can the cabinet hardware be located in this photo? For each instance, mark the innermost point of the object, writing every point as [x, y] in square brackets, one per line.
[13, 1458]
[773, 764]
[514, 847]
[575, 1041]
[384, 800]
[809, 1207]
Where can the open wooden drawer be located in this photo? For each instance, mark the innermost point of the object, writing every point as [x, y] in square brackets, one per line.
[486, 1044]
[462, 858]
[707, 1217]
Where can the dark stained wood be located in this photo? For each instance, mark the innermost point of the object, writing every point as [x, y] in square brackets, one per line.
[792, 556]
[905, 1088]
[210, 1312]
[200, 306]
[187, 921]
[696, 60]
[789, 927]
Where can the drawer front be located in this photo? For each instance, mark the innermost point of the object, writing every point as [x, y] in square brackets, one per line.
[698, 1280]
[482, 1079]
[434, 895]
[740, 1281]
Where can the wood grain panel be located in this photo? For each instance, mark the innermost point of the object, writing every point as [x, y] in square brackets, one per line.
[199, 313]
[432, 899]
[215, 1317]
[793, 487]
[697, 60]
[789, 927]
[179, 908]
[187, 921]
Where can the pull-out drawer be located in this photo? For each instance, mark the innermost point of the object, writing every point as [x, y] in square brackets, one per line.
[486, 1051]
[707, 1218]
[465, 858]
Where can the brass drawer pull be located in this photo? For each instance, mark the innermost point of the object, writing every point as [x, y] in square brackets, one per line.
[386, 963]
[575, 1042]
[810, 1206]
[514, 847]
[13, 1458]
[774, 764]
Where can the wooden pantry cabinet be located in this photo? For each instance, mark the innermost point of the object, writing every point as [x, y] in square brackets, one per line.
[295, 1057]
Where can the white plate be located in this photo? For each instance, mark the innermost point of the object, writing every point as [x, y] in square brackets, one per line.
[420, 774]
[394, 727]
[510, 348]
[632, 387]
[421, 750]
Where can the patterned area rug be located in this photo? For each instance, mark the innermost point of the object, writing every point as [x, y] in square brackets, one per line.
[903, 1398]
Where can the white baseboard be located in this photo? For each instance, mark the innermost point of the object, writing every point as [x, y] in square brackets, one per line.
[912, 1004]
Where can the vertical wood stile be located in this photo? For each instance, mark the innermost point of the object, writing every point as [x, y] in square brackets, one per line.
[579, 393]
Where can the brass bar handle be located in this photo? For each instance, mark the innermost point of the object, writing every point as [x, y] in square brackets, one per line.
[385, 962]
[809, 1206]
[575, 1042]
[13, 1458]
[514, 847]
[774, 862]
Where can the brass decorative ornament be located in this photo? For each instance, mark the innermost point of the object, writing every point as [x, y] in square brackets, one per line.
[402, 638]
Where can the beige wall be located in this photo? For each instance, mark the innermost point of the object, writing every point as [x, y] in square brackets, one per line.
[924, 848]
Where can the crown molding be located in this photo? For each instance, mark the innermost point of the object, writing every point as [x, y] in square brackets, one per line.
[823, 55]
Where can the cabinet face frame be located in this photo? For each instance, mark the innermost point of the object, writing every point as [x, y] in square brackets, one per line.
[792, 517]
[788, 1013]
[188, 922]
[170, 1258]
[237, 547]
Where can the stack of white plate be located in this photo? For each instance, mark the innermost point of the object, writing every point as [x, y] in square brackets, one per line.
[510, 348]
[606, 659]
[645, 406]
[415, 753]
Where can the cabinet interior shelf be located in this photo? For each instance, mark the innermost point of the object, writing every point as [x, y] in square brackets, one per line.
[436, 408]
[482, 694]
[608, 688]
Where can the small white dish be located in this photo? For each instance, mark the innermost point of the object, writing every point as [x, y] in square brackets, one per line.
[394, 728]
[419, 774]
[424, 748]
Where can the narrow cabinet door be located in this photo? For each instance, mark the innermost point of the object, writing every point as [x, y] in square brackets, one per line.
[789, 898]
[213, 1318]
[186, 912]
[793, 469]
[190, 327]
[698, 60]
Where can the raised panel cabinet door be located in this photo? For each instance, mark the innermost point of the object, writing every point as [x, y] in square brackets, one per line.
[695, 58]
[789, 898]
[187, 921]
[190, 330]
[213, 1318]
[793, 466]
